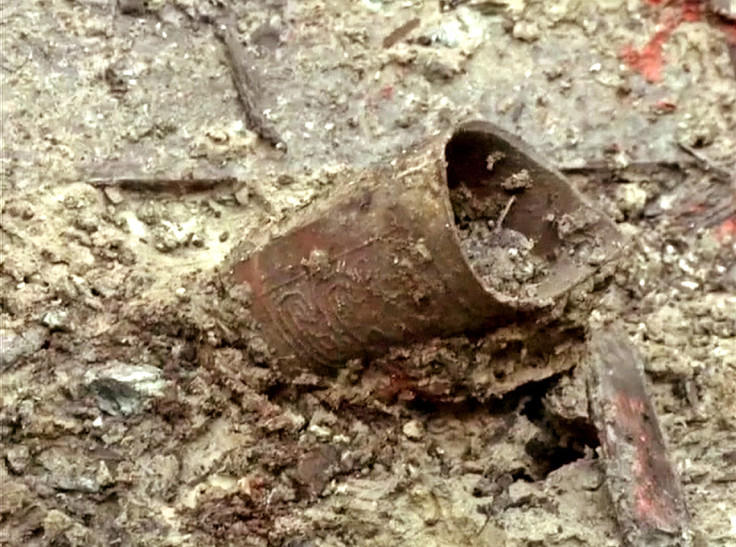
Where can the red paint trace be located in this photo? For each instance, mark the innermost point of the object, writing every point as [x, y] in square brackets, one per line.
[665, 106]
[643, 486]
[727, 230]
[649, 60]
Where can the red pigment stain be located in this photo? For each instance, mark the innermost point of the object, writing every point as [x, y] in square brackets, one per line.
[665, 105]
[648, 61]
[727, 230]
[692, 11]
[696, 208]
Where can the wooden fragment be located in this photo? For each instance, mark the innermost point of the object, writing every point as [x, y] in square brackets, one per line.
[643, 486]
[246, 84]
[163, 185]
[644, 166]
[706, 163]
[398, 34]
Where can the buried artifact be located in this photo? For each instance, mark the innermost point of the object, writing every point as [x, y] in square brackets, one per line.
[459, 234]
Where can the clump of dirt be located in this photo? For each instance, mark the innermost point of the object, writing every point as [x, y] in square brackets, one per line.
[502, 258]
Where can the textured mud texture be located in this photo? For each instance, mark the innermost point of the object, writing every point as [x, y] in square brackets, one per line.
[501, 257]
[138, 407]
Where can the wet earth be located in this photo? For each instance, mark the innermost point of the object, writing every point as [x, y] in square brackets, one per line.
[141, 407]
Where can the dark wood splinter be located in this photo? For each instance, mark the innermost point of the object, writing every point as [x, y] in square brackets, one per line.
[643, 486]
[246, 86]
[174, 185]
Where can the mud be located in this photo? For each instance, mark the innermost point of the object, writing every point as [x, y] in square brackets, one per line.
[501, 257]
[138, 404]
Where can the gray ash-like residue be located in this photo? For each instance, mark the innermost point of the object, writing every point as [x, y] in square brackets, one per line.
[501, 257]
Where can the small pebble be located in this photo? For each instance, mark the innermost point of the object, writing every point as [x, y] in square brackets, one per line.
[631, 198]
[114, 195]
[526, 31]
[413, 430]
[17, 458]
[122, 388]
[321, 432]
[55, 319]
[14, 345]
[242, 195]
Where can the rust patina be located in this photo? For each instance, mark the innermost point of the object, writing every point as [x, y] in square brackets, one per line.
[382, 265]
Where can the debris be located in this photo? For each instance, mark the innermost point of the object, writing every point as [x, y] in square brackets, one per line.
[505, 212]
[665, 106]
[67, 471]
[17, 458]
[312, 312]
[526, 31]
[188, 184]
[114, 195]
[242, 196]
[285, 421]
[121, 389]
[643, 486]
[323, 417]
[321, 432]
[707, 164]
[413, 430]
[486, 7]
[631, 198]
[316, 468]
[246, 85]
[492, 158]
[613, 171]
[517, 181]
[56, 319]
[55, 523]
[402, 31]
[502, 257]
[437, 70]
[15, 345]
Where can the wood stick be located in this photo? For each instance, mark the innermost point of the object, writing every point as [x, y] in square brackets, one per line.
[160, 185]
[398, 34]
[596, 166]
[247, 87]
[704, 160]
[643, 486]
[503, 214]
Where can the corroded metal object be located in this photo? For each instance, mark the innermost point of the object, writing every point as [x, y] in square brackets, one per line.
[382, 263]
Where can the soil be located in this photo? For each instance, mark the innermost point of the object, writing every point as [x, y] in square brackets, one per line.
[502, 258]
[138, 404]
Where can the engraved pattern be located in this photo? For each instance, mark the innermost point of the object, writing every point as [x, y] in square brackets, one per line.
[321, 317]
[334, 312]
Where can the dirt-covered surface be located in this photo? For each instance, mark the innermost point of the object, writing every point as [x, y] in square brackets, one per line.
[502, 258]
[138, 407]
